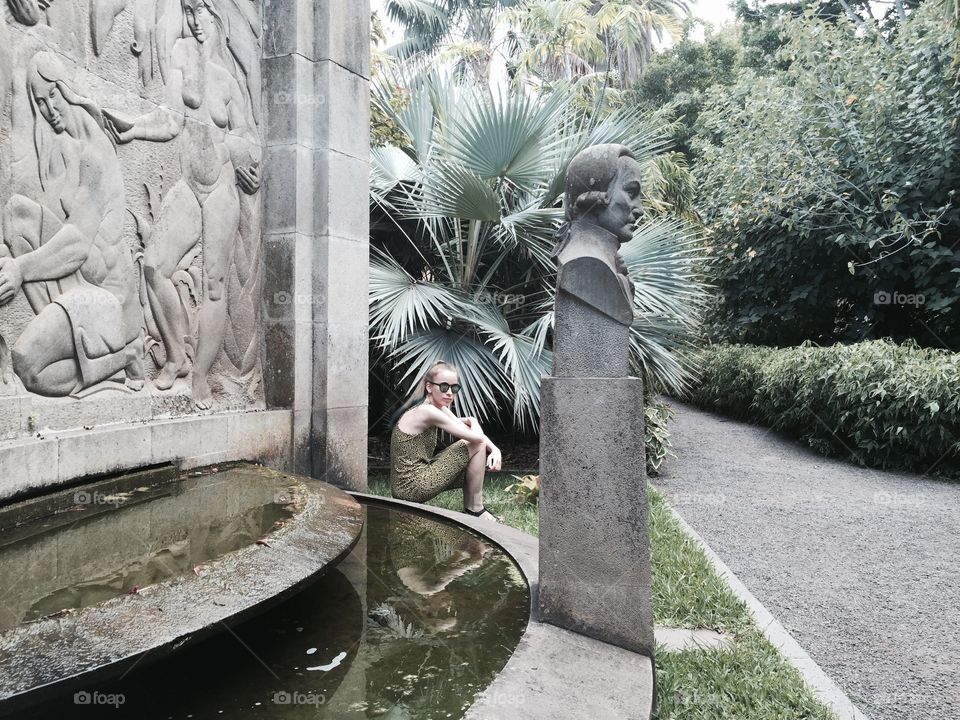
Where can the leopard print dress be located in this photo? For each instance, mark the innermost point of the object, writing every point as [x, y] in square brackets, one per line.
[416, 474]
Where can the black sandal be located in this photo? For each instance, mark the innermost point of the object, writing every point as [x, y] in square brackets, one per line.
[480, 512]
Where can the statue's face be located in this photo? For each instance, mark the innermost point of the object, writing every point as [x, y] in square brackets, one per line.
[624, 209]
[199, 19]
[51, 103]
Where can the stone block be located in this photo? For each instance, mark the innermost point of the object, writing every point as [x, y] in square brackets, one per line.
[261, 436]
[98, 452]
[588, 343]
[279, 285]
[340, 447]
[594, 540]
[28, 464]
[323, 30]
[278, 364]
[343, 33]
[341, 377]
[340, 181]
[11, 422]
[336, 259]
[191, 439]
[288, 28]
[288, 201]
[341, 104]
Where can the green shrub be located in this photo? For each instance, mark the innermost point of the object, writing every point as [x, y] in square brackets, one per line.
[655, 435]
[876, 403]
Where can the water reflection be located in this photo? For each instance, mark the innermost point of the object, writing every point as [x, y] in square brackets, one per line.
[108, 544]
[415, 622]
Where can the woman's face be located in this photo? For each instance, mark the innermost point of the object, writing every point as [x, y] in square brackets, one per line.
[434, 395]
[199, 19]
[50, 102]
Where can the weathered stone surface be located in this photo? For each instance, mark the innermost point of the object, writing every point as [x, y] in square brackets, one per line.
[183, 305]
[58, 458]
[587, 342]
[55, 654]
[594, 540]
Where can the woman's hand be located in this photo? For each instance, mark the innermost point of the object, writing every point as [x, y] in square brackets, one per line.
[494, 460]
[120, 128]
[248, 178]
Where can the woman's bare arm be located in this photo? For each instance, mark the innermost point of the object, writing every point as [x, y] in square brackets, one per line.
[449, 423]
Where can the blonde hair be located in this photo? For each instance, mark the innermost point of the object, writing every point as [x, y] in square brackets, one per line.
[418, 394]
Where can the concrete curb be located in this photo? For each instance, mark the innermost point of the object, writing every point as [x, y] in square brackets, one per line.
[825, 689]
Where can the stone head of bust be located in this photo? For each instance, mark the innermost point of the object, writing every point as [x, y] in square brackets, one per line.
[603, 188]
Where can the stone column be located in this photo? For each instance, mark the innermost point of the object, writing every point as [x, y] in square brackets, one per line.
[594, 541]
[316, 224]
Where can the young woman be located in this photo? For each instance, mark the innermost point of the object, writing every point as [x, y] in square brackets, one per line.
[416, 474]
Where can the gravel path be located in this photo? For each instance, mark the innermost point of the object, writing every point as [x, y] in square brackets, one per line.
[861, 566]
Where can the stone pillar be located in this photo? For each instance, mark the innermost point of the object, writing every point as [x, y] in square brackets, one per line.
[316, 224]
[594, 539]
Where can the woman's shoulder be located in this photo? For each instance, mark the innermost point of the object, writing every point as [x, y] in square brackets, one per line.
[418, 419]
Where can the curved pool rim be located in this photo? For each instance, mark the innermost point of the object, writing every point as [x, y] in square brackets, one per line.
[559, 668]
[77, 649]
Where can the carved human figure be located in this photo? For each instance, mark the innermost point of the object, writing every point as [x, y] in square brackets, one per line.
[6, 61]
[66, 251]
[602, 207]
[219, 152]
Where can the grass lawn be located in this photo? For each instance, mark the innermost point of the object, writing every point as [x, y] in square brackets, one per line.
[750, 681]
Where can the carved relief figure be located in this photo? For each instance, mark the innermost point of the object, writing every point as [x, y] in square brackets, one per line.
[207, 108]
[61, 15]
[6, 61]
[65, 250]
[602, 201]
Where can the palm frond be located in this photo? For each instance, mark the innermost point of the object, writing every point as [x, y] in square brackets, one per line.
[401, 305]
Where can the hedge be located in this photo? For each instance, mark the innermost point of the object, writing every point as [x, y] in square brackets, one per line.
[875, 403]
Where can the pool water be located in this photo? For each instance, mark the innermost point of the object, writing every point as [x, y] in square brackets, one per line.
[413, 624]
[97, 545]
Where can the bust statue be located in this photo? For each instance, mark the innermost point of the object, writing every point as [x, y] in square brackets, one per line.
[594, 307]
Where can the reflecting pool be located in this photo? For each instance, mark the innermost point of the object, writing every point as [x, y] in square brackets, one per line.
[413, 624]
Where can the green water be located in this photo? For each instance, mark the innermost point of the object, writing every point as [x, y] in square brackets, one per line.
[413, 624]
[106, 544]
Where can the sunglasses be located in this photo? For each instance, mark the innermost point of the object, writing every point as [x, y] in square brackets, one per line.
[446, 387]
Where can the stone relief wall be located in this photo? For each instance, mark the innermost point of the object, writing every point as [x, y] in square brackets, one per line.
[130, 243]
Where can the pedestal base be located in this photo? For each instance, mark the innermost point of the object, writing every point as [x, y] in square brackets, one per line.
[594, 539]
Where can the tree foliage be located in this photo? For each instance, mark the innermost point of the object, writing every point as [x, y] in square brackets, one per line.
[465, 216]
[829, 187]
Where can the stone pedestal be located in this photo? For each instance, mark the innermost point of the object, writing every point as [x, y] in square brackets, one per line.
[589, 343]
[594, 539]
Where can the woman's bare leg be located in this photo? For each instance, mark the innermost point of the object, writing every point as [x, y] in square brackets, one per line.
[221, 218]
[177, 231]
[473, 487]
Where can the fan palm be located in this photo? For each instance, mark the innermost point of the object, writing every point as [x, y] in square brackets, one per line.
[467, 213]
